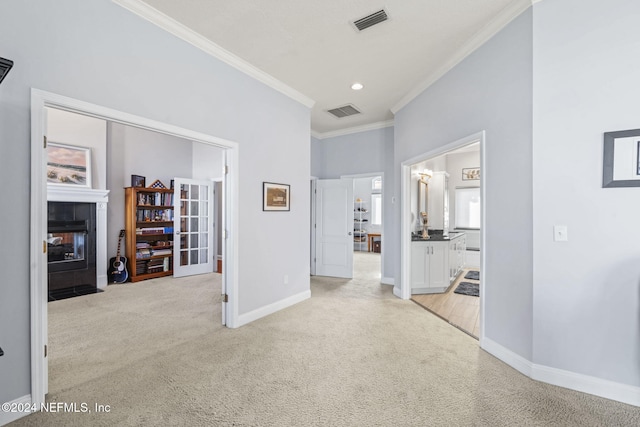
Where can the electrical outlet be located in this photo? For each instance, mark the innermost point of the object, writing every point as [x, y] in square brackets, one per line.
[560, 233]
[286, 279]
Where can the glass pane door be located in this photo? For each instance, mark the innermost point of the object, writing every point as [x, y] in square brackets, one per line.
[193, 254]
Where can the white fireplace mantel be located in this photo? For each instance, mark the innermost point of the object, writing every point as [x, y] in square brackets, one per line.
[66, 193]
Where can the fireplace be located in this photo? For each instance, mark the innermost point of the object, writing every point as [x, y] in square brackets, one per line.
[71, 249]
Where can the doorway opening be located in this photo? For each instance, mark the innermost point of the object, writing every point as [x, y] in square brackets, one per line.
[368, 223]
[347, 226]
[42, 101]
[444, 222]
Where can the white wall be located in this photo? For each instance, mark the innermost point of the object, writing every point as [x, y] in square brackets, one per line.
[136, 151]
[586, 290]
[100, 53]
[82, 131]
[206, 161]
[490, 90]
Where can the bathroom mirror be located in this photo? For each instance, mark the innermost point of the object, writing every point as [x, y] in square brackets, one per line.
[423, 195]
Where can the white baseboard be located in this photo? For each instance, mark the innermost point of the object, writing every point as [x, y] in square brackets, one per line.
[388, 281]
[256, 314]
[102, 282]
[512, 359]
[597, 386]
[9, 417]
[571, 380]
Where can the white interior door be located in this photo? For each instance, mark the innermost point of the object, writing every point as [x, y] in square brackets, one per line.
[192, 227]
[334, 227]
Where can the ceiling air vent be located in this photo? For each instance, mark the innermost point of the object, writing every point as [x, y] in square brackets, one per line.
[371, 20]
[344, 111]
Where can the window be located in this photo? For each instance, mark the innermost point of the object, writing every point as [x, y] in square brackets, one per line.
[376, 209]
[376, 184]
[468, 208]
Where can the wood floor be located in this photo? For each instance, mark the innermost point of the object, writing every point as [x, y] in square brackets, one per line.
[462, 311]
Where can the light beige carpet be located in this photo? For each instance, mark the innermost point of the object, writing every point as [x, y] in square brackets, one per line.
[352, 355]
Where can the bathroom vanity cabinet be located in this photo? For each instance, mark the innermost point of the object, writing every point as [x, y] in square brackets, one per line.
[436, 263]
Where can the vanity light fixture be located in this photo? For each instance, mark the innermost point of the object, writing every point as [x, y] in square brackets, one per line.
[357, 86]
[425, 174]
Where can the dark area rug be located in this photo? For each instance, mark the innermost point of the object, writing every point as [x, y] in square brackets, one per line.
[468, 288]
[472, 275]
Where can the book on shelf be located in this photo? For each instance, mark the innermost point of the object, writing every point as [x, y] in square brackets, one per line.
[155, 198]
[143, 253]
[162, 252]
[152, 230]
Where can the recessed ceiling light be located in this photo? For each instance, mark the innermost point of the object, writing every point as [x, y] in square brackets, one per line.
[357, 86]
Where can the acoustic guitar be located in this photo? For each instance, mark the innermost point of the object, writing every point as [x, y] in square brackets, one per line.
[118, 265]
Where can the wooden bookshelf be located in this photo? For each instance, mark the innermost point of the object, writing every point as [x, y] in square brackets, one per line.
[149, 232]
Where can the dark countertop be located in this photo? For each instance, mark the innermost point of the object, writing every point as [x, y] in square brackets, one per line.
[436, 237]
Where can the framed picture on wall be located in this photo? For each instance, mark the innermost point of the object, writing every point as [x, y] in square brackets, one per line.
[68, 165]
[621, 159]
[275, 197]
[138, 181]
[470, 174]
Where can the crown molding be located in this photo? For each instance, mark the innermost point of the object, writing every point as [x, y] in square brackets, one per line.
[179, 30]
[355, 129]
[506, 15]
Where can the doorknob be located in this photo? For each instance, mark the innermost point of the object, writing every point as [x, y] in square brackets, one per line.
[350, 233]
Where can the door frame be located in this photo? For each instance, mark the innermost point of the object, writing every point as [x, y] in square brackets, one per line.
[383, 279]
[404, 290]
[38, 264]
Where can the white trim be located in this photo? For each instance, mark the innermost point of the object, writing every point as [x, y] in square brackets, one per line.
[504, 17]
[38, 280]
[179, 30]
[396, 291]
[355, 129]
[388, 281]
[512, 359]
[583, 383]
[61, 194]
[261, 312]
[9, 417]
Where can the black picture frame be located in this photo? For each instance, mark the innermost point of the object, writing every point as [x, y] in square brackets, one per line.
[276, 197]
[609, 164]
[138, 181]
[638, 160]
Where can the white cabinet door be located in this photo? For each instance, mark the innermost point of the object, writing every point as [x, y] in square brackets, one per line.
[429, 267]
[439, 266]
[419, 266]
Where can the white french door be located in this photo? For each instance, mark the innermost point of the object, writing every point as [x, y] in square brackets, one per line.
[192, 225]
[334, 227]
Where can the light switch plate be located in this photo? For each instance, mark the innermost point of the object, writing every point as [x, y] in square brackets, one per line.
[560, 233]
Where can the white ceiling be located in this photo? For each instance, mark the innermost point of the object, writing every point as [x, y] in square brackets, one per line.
[312, 47]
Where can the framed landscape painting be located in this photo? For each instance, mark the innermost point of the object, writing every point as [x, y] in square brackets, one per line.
[68, 165]
[275, 197]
